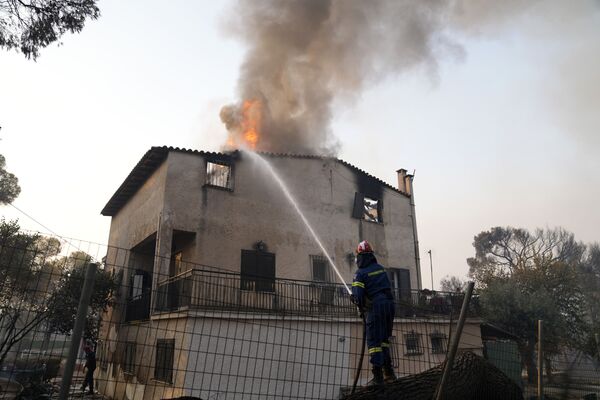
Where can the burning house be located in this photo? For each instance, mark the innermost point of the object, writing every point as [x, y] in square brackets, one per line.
[217, 269]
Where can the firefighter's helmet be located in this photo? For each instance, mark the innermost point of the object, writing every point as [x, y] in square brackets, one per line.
[364, 247]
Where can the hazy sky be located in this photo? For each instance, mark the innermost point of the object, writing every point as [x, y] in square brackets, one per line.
[504, 132]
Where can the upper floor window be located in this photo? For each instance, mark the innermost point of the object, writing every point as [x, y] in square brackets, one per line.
[367, 208]
[371, 210]
[320, 269]
[219, 175]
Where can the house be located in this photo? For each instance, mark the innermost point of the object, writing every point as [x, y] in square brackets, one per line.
[224, 286]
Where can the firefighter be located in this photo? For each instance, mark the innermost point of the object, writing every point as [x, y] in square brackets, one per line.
[371, 292]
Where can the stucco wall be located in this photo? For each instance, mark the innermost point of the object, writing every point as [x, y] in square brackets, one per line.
[138, 218]
[141, 384]
[256, 209]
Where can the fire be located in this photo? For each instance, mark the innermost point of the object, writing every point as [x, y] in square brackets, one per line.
[243, 122]
[251, 121]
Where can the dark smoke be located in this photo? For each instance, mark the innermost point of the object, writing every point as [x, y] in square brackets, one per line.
[304, 54]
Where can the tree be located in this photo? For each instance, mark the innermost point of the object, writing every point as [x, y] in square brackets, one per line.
[523, 277]
[25, 283]
[501, 251]
[9, 183]
[63, 305]
[29, 25]
[41, 290]
[590, 283]
[452, 284]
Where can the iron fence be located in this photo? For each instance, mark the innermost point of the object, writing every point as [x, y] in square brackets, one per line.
[210, 333]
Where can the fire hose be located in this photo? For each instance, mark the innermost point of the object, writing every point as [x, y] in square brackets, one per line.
[362, 350]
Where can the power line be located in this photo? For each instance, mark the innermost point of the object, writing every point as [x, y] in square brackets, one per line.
[48, 229]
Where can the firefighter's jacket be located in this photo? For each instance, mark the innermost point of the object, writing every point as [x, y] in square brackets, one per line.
[370, 282]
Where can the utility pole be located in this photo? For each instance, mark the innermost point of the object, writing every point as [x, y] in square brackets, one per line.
[431, 267]
[540, 362]
[455, 341]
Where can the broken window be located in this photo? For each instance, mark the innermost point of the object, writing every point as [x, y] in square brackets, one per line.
[218, 175]
[412, 341]
[438, 342]
[367, 208]
[165, 354]
[320, 269]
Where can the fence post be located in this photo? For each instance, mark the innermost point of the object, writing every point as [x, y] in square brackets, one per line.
[540, 361]
[455, 341]
[84, 301]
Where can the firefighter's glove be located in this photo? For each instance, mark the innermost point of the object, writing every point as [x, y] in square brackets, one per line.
[354, 300]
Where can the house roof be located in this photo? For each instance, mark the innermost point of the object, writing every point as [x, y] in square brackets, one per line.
[156, 155]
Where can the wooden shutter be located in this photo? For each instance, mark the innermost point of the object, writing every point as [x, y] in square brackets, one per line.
[248, 270]
[359, 206]
[266, 272]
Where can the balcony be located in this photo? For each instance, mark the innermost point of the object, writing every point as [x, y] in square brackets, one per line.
[225, 291]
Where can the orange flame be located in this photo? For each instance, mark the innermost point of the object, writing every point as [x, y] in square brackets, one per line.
[251, 121]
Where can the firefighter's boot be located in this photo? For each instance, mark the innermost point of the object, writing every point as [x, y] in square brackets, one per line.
[388, 374]
[377, 381]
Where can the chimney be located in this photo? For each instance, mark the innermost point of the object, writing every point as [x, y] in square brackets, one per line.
[402, 180]
[408, 183]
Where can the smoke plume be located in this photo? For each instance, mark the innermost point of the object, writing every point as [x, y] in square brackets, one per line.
[304, 54]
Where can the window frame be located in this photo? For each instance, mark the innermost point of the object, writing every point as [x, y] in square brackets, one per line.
[255, 277]
[394, 353]
[210, 174]
[318, 259]
[129, 353]
[360, 210]
[418, 348]
[164, 373]
[442, 344]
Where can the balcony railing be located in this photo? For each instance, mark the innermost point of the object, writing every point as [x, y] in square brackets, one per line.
[225, 291]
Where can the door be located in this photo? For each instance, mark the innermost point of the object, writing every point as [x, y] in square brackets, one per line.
[400, 280]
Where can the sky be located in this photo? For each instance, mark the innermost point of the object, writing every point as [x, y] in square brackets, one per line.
[506, 132]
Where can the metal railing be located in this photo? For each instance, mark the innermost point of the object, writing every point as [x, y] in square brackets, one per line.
[208, 290]
[228, 291]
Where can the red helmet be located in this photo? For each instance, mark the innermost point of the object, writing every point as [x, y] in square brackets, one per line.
[364, 247]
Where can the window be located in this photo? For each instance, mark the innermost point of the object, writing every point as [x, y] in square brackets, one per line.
[218, 175]
[137, 287]
[412, 341]
[129, 358]
[165, 354]
[176, 263]
[438, 342]
[400, 280]
[102, 354]
[320, 269]
[367, 208]
[394, 353]
[371, 210]
[257, 271]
